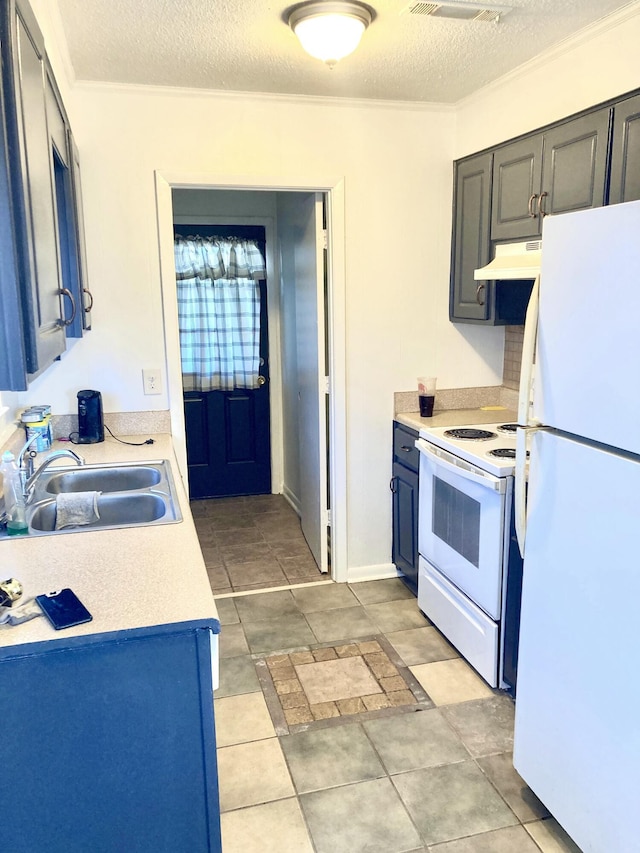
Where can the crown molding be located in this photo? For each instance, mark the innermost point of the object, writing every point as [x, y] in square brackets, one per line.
[51, 10]
[262, 97]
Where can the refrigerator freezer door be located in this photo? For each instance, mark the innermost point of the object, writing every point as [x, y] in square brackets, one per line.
[588, 343]
[577, 730]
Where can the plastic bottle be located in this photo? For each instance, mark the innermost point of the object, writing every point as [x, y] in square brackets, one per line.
[14, 504]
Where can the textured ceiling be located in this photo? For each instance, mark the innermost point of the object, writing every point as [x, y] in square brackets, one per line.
[244, 45]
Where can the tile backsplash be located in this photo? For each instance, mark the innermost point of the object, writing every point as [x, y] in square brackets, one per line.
[513, 339]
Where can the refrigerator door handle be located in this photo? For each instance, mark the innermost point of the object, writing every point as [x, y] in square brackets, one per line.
[528, 354]
[520, 488]
[520, 482]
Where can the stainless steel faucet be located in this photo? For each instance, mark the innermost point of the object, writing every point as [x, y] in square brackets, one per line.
[25, 464]
[57, 454]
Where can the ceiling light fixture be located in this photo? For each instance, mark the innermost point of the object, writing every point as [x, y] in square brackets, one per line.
[330, 30]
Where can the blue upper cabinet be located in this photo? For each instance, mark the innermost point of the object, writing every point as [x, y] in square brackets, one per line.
[41, 285]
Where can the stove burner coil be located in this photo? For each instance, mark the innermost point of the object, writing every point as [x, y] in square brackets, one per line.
[504, 452]
[509, 429]
[466, 434]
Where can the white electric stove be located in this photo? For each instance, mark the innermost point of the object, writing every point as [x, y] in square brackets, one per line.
[490, 446]
[468, 556]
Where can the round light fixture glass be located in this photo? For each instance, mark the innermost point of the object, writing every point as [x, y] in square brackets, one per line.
[330, 31]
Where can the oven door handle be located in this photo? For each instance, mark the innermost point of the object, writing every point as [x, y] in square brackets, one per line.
[476, 475]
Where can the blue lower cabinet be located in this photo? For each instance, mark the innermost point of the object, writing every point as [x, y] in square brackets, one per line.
[404, 487]
[109, 745]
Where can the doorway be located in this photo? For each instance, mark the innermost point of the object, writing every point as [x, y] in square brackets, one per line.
[228, 429]
[335, 404]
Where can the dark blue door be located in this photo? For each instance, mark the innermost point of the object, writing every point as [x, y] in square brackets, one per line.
[228, 432]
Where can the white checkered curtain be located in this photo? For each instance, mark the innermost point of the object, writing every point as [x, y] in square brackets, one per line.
[218, 312]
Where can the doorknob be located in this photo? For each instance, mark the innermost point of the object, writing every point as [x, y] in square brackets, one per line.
[261, 380]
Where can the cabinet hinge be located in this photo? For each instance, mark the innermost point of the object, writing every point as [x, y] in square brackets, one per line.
[328, 518]
[327, 385]
[325, 241]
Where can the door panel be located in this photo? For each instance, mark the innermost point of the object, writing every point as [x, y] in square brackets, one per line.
[42, 277]
[228, 432]
[309, 264]
[517, 172]
[405, 523]
[575, 164]
[589, 308]
[625, 157]
[581, 586]
[300, 226]
[471, 300]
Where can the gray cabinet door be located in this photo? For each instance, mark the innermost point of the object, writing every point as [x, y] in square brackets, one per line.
[13, 364]
[625, 157]
[46, 334]
[471, 300]
[65, 171]
[574, 164]
[561, 170]
[517, 175]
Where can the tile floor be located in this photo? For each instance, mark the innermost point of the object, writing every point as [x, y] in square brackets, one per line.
[252, 542]
[436, 779]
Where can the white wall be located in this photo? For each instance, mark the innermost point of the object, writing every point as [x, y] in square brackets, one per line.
[231, 203]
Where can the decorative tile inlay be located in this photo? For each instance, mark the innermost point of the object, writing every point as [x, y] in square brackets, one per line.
[330, 680]
[330, 684]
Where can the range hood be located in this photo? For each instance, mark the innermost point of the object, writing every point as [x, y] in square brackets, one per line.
[512, 261]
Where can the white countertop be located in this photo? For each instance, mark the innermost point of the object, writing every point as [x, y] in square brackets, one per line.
[128, 578]
[458, 417]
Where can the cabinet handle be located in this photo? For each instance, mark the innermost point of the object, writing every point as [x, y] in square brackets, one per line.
[479, 291]
[532, 213]
[541, 209]
[406, 449]
[392, 483]
[66, 292]
[88, 307]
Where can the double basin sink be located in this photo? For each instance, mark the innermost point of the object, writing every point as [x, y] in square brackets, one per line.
[132, 494]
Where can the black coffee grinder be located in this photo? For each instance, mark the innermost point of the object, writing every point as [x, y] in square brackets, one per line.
[90, 422]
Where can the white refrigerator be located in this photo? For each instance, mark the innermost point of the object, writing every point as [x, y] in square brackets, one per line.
[577, 729]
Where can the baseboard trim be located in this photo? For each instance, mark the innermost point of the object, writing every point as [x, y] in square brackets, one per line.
[291, 499]
[372, 573]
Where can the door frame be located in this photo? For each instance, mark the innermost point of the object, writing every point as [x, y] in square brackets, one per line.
[333, 189]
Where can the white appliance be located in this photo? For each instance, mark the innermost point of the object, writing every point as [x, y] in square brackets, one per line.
[512, 262]
[577, 730]
[464, 538]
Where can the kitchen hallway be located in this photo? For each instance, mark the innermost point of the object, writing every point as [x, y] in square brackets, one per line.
[346, 722]
[252, 542]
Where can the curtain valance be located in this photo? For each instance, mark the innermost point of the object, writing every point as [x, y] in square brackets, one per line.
[218, 258]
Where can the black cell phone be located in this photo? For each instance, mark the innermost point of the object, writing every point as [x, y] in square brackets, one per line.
[63, 609]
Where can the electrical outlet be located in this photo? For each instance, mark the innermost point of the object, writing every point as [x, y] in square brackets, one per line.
[152, 381]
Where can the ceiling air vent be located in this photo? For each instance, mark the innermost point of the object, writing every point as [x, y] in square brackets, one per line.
[459, 11]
